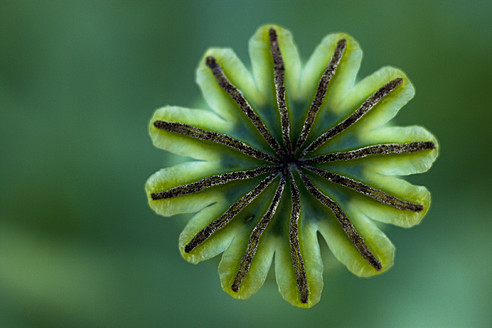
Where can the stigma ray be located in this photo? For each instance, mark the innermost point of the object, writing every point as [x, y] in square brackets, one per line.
[366, 190]
[279, 81]
[229, 214]
[256, 235]
[238, 97]
[384, 149]
[197, 133]
[321, 92]
[357, 115]
[295, 249]
[345, 222]
[212, 181]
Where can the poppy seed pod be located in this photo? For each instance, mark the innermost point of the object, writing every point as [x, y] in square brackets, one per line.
[285, 152]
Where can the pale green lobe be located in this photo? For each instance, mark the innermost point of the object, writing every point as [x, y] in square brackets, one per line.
[181, 174]
[284, 271]
[345, 251]
[258, 271]
[217, 243]
[218, 99]
[346, 72]
[262, 67]
[184, 145]
[221, 101]
[392, 185]
[231, 259]
[375, 210]
[381, 172]
[221, 239]
[378, 116]
[387, 108]
[396, 187]
[336, 238]
[262, 63]
[401, 164]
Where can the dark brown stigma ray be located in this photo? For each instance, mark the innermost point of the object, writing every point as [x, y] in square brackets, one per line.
[366, 190]
[279, 81]
[255, 237]
[295, 249]
[212, 181]
[357, 115]
[321, 92]
[229, 214]
[384, 149]
[238, 97]
[197, 133]
[345, 222]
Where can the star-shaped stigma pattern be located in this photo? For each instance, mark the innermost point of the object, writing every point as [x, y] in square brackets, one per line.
[284, 170]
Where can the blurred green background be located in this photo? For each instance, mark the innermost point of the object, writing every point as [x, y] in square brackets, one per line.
[79, 80]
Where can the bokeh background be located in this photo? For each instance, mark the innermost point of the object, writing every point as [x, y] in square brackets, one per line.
[79, 80]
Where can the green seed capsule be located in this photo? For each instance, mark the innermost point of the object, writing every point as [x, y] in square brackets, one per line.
[287, 152]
